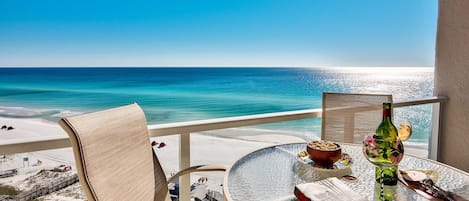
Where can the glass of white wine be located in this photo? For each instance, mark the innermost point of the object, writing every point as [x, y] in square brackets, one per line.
[405, 130]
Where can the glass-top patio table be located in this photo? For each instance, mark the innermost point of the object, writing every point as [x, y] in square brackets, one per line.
[271, 174]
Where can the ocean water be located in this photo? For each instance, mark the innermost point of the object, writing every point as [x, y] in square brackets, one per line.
[183, 94]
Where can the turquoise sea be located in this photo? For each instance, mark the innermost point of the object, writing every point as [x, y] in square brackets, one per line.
[183, 94]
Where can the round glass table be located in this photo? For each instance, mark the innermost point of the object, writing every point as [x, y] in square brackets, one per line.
[271, 174]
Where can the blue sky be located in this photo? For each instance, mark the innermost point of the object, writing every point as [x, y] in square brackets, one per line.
[218, 33]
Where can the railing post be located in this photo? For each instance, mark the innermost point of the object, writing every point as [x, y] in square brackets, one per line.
[435, 133]
[184, 162]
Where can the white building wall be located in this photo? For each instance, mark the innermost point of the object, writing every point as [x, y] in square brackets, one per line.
[452, 80]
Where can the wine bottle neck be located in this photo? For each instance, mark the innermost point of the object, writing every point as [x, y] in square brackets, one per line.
[386, 111]
[386, 128]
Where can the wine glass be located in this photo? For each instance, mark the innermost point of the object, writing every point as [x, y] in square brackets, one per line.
[385, 154]
[373, 151]
[405, 130]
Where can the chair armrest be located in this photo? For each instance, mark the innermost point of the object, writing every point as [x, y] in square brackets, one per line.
[198, 168]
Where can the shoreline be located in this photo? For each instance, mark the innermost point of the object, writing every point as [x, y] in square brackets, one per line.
[27, 128]
[52, 115]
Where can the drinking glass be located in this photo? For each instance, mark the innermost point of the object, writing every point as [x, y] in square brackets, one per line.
[385, 154]
[405, 130]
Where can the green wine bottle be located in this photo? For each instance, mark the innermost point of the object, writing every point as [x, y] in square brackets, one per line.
[390, 149]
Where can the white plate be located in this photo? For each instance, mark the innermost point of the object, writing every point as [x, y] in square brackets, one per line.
[345, 162]
[307, 172]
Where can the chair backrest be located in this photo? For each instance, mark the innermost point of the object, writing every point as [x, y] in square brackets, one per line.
[114, 157]
[350, 117]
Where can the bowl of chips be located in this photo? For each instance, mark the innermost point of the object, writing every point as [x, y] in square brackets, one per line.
[324, 153]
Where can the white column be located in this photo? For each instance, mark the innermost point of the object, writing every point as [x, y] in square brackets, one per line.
[452, 80]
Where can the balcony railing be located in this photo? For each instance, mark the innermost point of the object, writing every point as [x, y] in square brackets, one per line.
[184, 129]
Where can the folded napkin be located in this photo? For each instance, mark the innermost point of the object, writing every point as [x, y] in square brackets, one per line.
[330, 189]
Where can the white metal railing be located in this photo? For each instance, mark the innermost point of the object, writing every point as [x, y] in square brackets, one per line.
[184, 129]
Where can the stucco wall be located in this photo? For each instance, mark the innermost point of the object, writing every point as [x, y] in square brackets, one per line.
[452, 80]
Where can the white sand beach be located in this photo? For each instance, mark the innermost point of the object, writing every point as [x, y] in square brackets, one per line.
[230, 145]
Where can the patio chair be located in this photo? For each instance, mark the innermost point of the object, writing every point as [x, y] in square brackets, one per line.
[114, 157]
[350, 117]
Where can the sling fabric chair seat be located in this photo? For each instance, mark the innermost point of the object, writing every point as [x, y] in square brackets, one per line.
[114, 158]
[350, 117]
